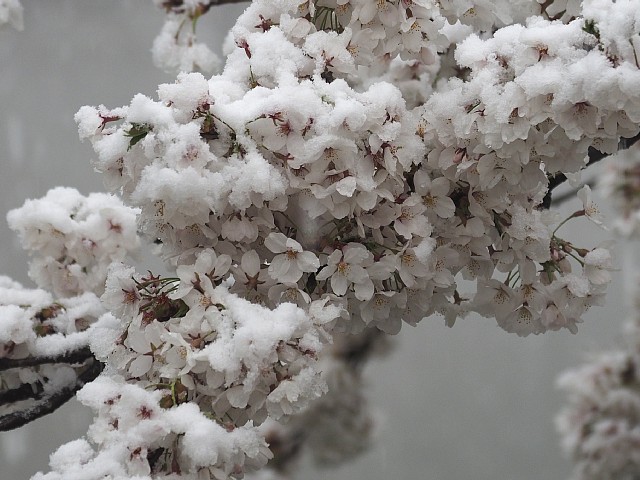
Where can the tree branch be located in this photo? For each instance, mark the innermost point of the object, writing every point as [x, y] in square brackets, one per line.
[594, 156]
[355, 350]
[77, 357]
[26, 391]
[215, 3]
[49, 403]
[178, 6]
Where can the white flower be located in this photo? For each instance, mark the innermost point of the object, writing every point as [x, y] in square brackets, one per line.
[411, 220]
[415, 264]
[383, 310]
[208, 267]
[293, 261]
[176, 48]
[434, 194]
[590, 209]
[495, 298]
[11, 12]
[290, 293]
[522, 321]
[345, 267]
[144, 343]
[597, 265]
[250, 275]
[121, 295]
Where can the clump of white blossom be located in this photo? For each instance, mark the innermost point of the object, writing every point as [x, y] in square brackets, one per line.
[621, 182]
[356, 165]
[139, 438]
[317, 190]
[600, 426]
[36, 332]
[340, 425]
[176, 48]
[73, 239]
[11, 12]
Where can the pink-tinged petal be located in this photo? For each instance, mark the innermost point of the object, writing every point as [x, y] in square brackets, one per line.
[357, 274]
[355, 253]
[276, 242]
[440, 187]
[445, 208]
[346, 186]
[222, 265]
[238, 397]
[597, 276]
[293, 245]
[140, 365]
[422, 181]
[279, 267]
[138, 341]
[334, 258]
[250, 262]
[339, 284]
[406, 277]
[292, 275]
[368, 12]
[402, 229]
[364, 291]
[205, 261]
[326, 272]
[367, 200]
[308, 262]
[420, 226]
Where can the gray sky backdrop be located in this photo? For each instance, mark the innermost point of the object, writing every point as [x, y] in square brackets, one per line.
[472, 402]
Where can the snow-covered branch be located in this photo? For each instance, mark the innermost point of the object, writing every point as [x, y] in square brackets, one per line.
[47, 400]
[74, 357]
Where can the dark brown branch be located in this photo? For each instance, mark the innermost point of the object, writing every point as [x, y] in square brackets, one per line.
[77, 357]
[26, 391]
[355, 350]
[178, 6]
[594, 157]
[571, 194]
[50, 403]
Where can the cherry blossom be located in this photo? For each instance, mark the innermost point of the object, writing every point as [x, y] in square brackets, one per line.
[289, 266]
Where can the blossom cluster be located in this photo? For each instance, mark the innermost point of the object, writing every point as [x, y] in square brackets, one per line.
[137, 438]
[309, 188]
[621, 182]
[600, 426]
[183, 342]
[73, 239]
[11, 13]
[240, 360]
[527, 112]
[356, 165]
[192, 370]
[273, 180]
[340, 425]
[37, 326]
[176, 47]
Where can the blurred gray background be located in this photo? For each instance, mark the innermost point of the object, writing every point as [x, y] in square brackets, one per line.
[471, 402]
